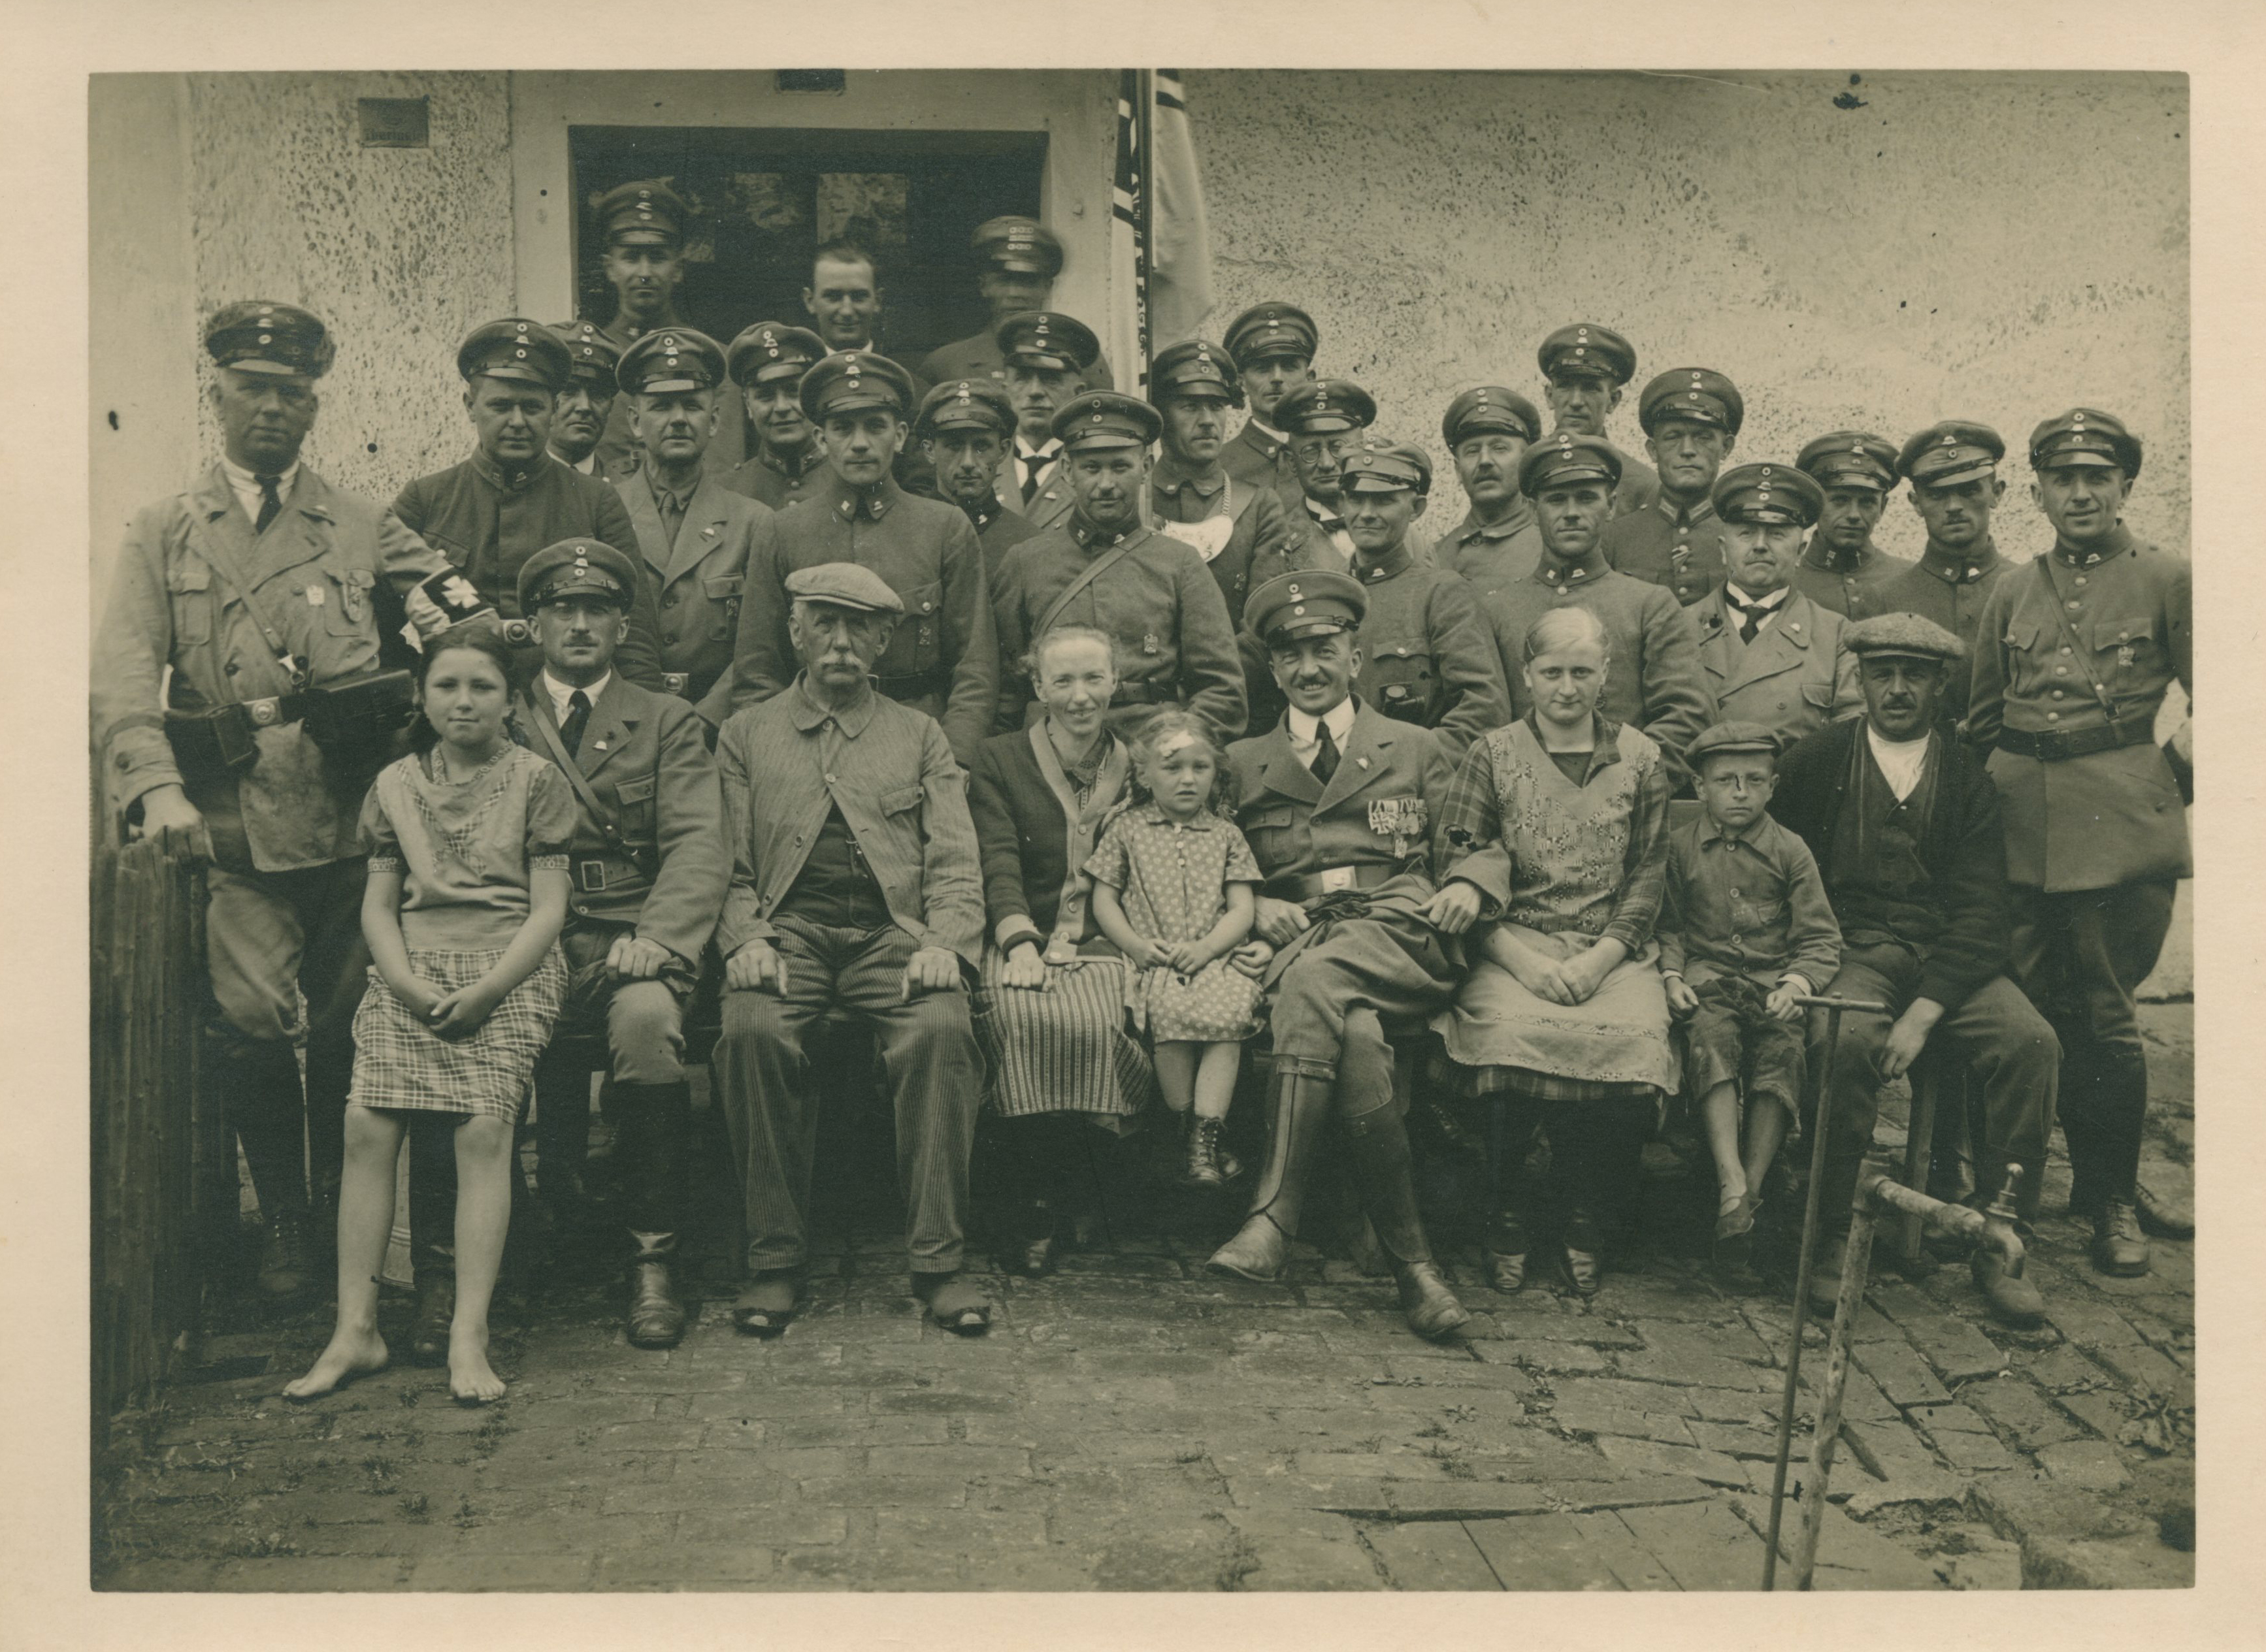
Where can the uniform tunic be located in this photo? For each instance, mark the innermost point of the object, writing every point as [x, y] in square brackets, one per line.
[1171, 880]
[1951, 588]
[1492, 555]
[1255, 544]
[1682, 551]
[1792, 678]
[759, 478]
[1253, 456]
[618, 452]
[1638, 486]
[1855, 587]
[1158, 602]
[488, 527]
[698, 559]
[1426, 656]
[941, 659]
[999, 530]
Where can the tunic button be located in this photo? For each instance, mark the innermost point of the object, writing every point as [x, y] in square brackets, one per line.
[2080, 578]
[2065, 648]
[2053, 716]
[2061, 671]
[2070, 604]
[2056, 693]
[232, 668]
[668, 640]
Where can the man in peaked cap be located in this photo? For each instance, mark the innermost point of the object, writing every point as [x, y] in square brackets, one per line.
[1487, 429]
[222, 753]
[1774, 656]
[1016, 261]
[1956, 487]
[767, 361]
[587, 400]
[2076, 654]
[964, 430]
[1103, 566]
[1842, 569]
[941, 659]
[1691, 418]
[1654, 680]
[511, 498]
[694, 534]
[1338, 802]
[1323, 421]
[1272, 345]
[857, 889]
[1047, 357]
[1586, 367]
[641, 228]
[1240, 531]
[1905, 825]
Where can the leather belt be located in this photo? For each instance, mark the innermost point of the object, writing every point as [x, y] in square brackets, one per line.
[1331, 880]
[597, 874]
[2055, 747]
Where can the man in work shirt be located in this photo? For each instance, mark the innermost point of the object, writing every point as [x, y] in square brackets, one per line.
[767, 362]
[1487, 430]
[1691, 418]
[1842, 569]
[1272, 345]
[1956, 488]
[964, 430]
[1047, 357]
[587, 401]
[1018, 260]
[1586, 368]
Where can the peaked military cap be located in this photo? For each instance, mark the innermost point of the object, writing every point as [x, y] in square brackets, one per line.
[1323, 406]
[1047, 339]
[1383, 467]
[1194, 366]
[1421, 459]
[576, 568]
[1850, 459]
[2085, 435]
[526, 352]
[1305, 602]
[965, 404]
[1487, 407]
[1776, 495]
[260, 335]
[669, 360]
[853, 381]
[1700, 394]
[1023, 246]
[1909, 636]
[772, 350]
[1733, 736]
[1563, 458]
[1948, 453]
[1583, 347]
[1106, 418]
[844, 585]
[592, 357]
[1271, 329]
[645, 212]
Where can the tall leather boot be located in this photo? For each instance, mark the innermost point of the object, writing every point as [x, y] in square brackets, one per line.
[267, 1108]
[2121, 1086]
[1377, 1144]
[1300, 1104]
[655, 1126]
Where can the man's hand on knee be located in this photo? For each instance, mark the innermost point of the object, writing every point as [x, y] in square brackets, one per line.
[755, 966]
[930, 970]
[1909, 1037]
[1278, 922]
[634, 958]
[1454, 907]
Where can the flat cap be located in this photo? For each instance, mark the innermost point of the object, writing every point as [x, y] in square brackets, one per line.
[1850, 459]
[855, 381]
[1908, 635]
[1195, 367]
[260, 335]
[1948, 453]
[1271, 329]
[1324, 406]
[772, 350]
[1564, 458]
[591, 356]
[1700, 394]
[1733, 736]
[2085, 435]
[844, 585]
[645, 211]
[1583, 347]
[576, 568]
[1023, 246]
[1777, 495]
[1383, 467]
[1305, 602]
[965, 404]
[1106, 418]
[669, 360]
[518, 349]
[1487, 407]
[1047, 339]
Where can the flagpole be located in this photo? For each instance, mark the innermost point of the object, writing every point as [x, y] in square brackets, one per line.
[1144, 212]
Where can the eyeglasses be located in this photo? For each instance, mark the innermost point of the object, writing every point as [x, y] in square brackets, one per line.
[1323, 447]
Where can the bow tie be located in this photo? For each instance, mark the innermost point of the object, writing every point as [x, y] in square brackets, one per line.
[1331, 524]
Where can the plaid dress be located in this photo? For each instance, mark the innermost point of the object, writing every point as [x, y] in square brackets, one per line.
[466, 851]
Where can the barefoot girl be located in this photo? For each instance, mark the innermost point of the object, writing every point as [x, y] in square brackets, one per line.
[467, 892]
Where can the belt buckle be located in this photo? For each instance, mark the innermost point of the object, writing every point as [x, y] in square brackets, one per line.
[590, 876]
[1336, 877]
[265, 713]
[676, 682]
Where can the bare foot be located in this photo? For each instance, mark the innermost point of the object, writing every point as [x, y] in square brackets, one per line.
[471, 1381]
[351, 1354]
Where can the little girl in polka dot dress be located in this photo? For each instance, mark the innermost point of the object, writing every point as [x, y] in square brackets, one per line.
[1175, 888]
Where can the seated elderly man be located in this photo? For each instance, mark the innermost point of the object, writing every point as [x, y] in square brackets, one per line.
[1904, 824]
[855, 886]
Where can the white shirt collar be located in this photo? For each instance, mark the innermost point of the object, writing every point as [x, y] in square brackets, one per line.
[1741, 597]
[245, 484]
[1901, 761]
[560, 693]
[1267, 430]
[1305, 731]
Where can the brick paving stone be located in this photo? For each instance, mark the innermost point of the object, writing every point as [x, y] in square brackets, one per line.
[1642, 1425]
[2101, 1410]
[1904, 1376]
[2090, 1322]
[2016, 1408]
[1648, 1457]
[2021, 1506]
[1553, 1359]
[156, 1577]
[965, 1531]
[1958, 1419]
[1430, 1554]
[475, 1573]
[2091, 1463]
[762, 1527]
[333, 1572]
[784, 1462]
[1697, 1545]
[1734, 1439]
[1304, 1491]
[1311, 1563]
[874, 1491]
[1626, 1395]
[1545, 1551]
[1972, 1452]
[2062, 1370]
[2144, 1369]
[686, 1566]
[765, 1401]
[1849, 1556]
[1956, 1350]
[955, 1460]
[1889, 1449]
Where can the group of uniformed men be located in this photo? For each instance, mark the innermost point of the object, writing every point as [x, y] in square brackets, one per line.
[722, 490]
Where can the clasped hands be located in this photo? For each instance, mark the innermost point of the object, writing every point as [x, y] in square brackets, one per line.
[759, 966]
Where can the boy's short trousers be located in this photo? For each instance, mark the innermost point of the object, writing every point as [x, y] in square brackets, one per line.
[1731, 1037]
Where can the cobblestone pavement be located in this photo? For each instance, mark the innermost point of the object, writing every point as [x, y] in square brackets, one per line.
[1132, 1423]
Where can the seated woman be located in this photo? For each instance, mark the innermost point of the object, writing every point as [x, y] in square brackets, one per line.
[1051, 1008]
[1559, 821]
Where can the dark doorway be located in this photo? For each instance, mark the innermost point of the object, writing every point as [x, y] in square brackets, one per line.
[763, 198]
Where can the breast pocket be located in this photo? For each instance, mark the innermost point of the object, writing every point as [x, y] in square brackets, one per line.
[189, 587]
[1402, 679]
[917, 645]
[633, 808]
[723, 592]
[1818, 696]
[1276, 834]
[2128, 653]
[347, 601]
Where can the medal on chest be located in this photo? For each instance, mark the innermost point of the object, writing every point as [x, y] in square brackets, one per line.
[1400, 819]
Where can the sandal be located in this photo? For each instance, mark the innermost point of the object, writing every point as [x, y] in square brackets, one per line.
[765, 1308]
[953, 1302]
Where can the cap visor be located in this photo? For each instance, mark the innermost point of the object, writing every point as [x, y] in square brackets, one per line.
[671, 387]
[281, 369]
[1032, 359]
[1377, 485]
[515, 373]
[1953, 478]
[1296, 628]
[1102, 439]
[641, 235]
[1021, 266]
[862, 402]
[2084, 456]
[771, 370]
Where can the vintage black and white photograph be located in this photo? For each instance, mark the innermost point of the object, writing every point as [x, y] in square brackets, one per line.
[1141, 829]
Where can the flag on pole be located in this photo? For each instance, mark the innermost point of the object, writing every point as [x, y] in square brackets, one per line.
[1179, 241]
[1129, 264]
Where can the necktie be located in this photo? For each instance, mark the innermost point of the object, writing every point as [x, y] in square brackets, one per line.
[1332, 524]
[1752, 615]
[269, 502]
[1326, 753]
[1033, 463]
[578, 718]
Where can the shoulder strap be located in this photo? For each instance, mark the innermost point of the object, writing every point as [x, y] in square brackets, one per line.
[1087, 575]
[2084, 655]
[600, 815]
[223, 561]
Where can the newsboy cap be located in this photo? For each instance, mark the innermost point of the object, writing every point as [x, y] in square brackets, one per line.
[645, 212]
[591, 356]
[576, 568]
[2085, 435]
[1733, 736]
[1271, 329]
[1324, 406]
[1023, 246]
[1106, 418]
[844, 585]
[1699, 394]
[1305, 602]
[1850, 459]
[855, 381]
[772, 350]
[261, 335]
[1195, 367]
[1487, 407]
[1776, 495]
[1564, 458]
[1583, 347]
[1950, 453]
[1907, 636]
[1047, 339]
[965, 404]
[526, 352]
